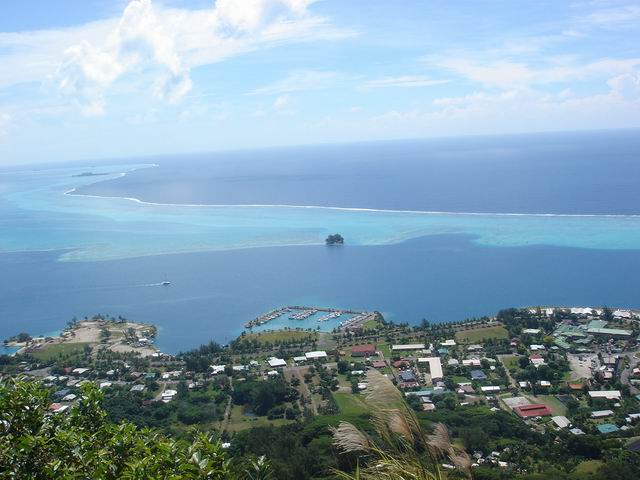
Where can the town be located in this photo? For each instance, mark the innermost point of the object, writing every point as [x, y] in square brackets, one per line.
[566, 374]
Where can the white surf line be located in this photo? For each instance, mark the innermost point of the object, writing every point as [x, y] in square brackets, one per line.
[347, 209]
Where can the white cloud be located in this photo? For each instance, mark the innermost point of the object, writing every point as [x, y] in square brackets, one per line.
[300, 81]
[511, 111]
[155, 45]
[283, 101]
[403, 81]
[627, 15]
[507, 75]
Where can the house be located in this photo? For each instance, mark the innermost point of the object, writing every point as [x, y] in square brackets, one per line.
[363, 350]
[608, 394]
[536, 360]
[317, 355]
[379, 364]
[601, 413]
[474, 348]
[561, 421]
[471, 362]
[69, 398]
[576, 431]
[301, 359]
[168, 395]
[544, 383]
[276, 362]
[217, 369]
[448, 343]
[452, 362]
[534, 410]
[137, 388]
[80, 371]
[490, 389]
[535, 347]
[607, 428]
[478, 375]
[407, 376]
[435, 367]
[531, 331]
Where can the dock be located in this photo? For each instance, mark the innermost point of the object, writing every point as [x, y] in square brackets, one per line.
[300, 312]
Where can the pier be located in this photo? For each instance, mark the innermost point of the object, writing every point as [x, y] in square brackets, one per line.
[299, 312]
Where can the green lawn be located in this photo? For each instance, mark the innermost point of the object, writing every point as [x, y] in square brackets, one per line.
[239, 421]
[459, 379]
[52, 351]
[384, 348]
[588, 467]
[555, 405]
[511, 361]
[350, 403]
[478, 334]
[370, 324]
[280, 335]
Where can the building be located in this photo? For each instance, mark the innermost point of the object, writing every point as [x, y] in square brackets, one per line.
[409, 346]
[471, 362]
[435, 367]
[536, 360]
[608, 394]
[379, 364]
[276, 362]
[561, 421]
[407, 376]
[535, 410]
[318, 355]
[610, 332]
[490, 389]
[478, 375]
[601, 413]
[363, 350]
[607, 428]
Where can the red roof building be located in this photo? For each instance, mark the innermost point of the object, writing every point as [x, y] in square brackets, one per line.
[379, 364]
[363, 350]
[535, 410]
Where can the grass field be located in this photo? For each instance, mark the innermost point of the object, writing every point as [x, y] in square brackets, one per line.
[478, 334]
[370, 324]
[239, 421]
[51, 352]
[555, 405]
[280, 335]
[511, 361]
[588, 467]
[351, 404]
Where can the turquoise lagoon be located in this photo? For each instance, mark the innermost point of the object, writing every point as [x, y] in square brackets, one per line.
[39, 210]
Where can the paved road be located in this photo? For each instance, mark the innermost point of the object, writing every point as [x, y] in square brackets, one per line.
[625, 375]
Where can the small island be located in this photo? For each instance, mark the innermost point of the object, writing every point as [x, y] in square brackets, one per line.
[335, 239]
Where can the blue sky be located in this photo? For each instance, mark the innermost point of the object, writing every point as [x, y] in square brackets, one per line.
[115, 78]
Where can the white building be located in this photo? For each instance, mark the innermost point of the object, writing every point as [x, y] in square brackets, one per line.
[601, 413]
[608, 394]
[435, 367]
[276, 362]
[408, 346]
[317, 355]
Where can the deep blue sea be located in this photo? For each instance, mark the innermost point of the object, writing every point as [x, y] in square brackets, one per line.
[575, 238]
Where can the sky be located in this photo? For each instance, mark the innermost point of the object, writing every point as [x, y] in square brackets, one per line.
[121, 78]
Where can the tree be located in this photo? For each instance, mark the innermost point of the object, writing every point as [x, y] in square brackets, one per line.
[84, 444]
[335, 239]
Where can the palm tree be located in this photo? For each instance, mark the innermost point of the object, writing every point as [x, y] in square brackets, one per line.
[401, 449]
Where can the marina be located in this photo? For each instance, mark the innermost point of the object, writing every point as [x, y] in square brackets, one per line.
[351, 319]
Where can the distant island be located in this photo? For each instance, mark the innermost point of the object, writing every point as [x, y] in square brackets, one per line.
[335, 239]
[90, 174]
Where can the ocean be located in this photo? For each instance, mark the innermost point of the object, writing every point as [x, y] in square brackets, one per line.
[440, 229]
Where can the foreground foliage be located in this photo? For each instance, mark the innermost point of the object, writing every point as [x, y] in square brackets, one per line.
[36, 444]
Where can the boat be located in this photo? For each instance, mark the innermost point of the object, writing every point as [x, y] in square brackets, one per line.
[165, 283]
